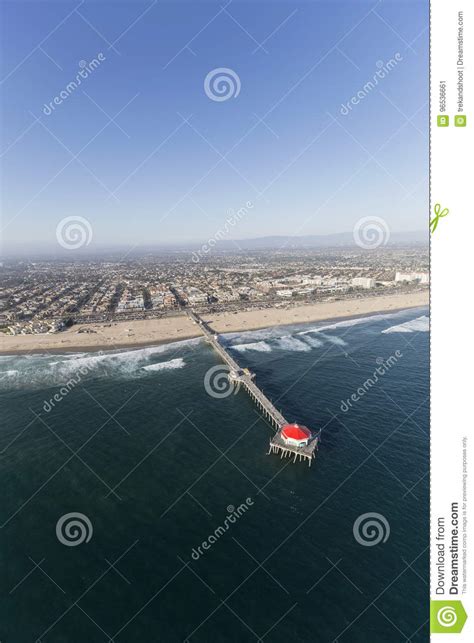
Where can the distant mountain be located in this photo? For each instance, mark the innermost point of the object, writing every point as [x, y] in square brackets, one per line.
[418, 237]
[283, 242]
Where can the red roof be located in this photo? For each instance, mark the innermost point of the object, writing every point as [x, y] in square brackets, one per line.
[295, 432]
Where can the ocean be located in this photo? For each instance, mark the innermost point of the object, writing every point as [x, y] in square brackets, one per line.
[139, 502]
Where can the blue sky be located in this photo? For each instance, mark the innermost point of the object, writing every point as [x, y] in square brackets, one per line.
[148, 176]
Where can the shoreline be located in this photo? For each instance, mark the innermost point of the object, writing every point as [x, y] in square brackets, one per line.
[156, 332]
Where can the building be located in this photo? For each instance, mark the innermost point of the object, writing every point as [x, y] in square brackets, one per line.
[363, 282]
[295, 435]
[422, 277]
[195, 296]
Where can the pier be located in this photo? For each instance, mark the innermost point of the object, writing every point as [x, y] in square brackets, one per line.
[242, 376]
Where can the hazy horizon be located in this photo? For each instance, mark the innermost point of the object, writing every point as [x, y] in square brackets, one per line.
[267, 242]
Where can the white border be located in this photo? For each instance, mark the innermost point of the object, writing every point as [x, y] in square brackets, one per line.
[452, 246]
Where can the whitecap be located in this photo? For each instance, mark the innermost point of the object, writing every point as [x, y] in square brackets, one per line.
[44, 371]
[8, 374]
[337, 341]
[261, 347]
[348, 323]
[254, 335]
[289, 343]
[420, 324]
[163, 366]
[312, 341]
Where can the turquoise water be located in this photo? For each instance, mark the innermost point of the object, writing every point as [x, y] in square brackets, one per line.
[134, 442]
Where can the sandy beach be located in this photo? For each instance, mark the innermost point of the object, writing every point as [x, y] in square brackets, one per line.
[129, 334]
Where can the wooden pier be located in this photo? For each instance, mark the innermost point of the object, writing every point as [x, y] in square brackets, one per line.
[242, 376]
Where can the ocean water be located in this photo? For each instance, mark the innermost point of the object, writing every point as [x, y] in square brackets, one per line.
[188, 531]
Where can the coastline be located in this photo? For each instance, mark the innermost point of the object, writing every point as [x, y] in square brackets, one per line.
[154, 332]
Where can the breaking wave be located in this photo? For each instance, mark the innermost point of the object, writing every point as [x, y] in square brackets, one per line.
[338, 341]
[268, 335]
[6, 375]
[290, 343]
[420, 324]
[348, 323]
[313, 341]
[178, 362]
[261, 347]
[258, 335]
[44, 371]
[286, 343]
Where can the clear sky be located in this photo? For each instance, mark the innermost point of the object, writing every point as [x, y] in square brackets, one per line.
[118, 152]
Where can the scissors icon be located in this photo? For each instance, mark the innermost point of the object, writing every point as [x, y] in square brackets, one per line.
[438, 215]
